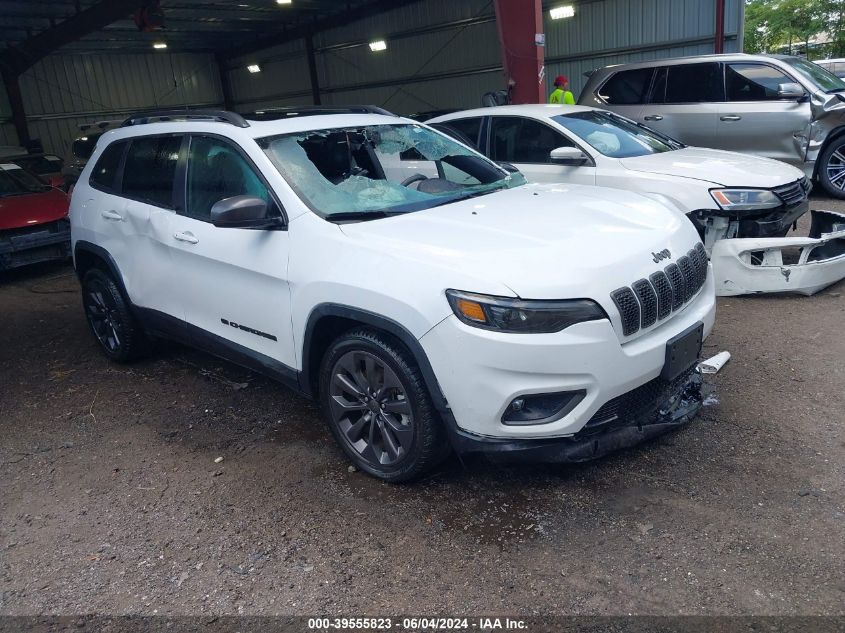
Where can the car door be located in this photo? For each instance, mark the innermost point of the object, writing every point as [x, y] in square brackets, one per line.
[527, 144]
[233, 281]
[684, 102]
[148, 188]
[755, 119]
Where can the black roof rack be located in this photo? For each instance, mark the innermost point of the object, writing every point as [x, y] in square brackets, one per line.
[175, 115]
[284, 112]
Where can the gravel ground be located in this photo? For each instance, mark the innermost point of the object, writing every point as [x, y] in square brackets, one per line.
[114, 502]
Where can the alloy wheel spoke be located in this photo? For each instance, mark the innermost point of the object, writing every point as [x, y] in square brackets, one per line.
[356, 431]
[840, 156]
[840, 176]
[371, 372]
[402, 407]
[391, 444]
[348, 386]
[341, 406]
[402, 432]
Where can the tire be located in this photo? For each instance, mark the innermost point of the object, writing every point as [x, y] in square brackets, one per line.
[831, 173]
[109, 318]
[397, 435]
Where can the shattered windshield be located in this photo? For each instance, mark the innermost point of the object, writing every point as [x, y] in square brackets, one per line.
[365, 172]
[616, 136]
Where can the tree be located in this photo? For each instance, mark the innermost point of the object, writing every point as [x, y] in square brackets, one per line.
[770, 24]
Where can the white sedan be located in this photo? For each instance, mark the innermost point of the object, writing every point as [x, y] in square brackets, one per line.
[753, 200]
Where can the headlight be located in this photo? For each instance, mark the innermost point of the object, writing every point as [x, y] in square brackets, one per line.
[745, 199]
[525, 317]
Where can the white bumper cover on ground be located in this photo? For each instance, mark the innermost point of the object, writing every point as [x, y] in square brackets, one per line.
[757, 265]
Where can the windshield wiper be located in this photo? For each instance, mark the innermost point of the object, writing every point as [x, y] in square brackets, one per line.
[361, 215]
[467, 196]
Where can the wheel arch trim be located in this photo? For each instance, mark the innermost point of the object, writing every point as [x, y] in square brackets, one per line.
[365, 317]
[104, 256]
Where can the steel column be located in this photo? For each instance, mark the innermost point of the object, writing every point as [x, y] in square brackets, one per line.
[225, 84]
[312, 69]
[518, 22]
[13, 92]
[719, 44]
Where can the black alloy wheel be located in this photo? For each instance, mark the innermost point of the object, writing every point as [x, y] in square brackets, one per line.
[370, 407]
[378, 408]
[109, 317]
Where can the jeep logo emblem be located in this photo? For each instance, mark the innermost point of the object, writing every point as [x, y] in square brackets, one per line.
[664, 254]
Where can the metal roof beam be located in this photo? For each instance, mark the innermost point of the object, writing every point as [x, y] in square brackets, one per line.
[342, 18]
[22, 56]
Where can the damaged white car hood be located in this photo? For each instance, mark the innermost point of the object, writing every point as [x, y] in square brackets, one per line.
[726, 169]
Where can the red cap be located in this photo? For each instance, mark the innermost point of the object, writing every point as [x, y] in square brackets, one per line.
[560, 80]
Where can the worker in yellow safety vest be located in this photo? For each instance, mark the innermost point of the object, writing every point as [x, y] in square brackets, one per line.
[561, 92]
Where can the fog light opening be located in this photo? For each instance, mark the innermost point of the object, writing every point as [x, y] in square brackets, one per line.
[541, 408]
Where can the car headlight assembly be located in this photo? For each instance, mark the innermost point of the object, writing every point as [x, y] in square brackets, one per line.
[504, 314]
[745, 199]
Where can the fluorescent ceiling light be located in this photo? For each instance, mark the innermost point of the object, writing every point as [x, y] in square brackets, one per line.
[283, 1]
[254, 68]
[378, 45]
[566, 11]
[159, 45]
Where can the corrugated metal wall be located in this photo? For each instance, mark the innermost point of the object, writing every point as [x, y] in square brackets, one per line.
[446, 54]
[441, 54]
[63, 91]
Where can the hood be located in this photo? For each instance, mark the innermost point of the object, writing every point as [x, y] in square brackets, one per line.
[535, 241]
[32, 209]
[727, 169]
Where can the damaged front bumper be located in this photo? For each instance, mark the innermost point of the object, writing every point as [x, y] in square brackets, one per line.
[30, 245]
[802, 265]
[630, 419]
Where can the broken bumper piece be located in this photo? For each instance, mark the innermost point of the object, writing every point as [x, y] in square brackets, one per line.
[635, 421]
[802, 265]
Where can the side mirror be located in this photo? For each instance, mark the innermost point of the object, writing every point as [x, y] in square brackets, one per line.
[508, 167]
[242, 212]
[791, 91]
[568, 156]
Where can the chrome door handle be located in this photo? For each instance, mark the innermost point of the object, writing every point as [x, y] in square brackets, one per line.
[653, 117]
[111, 215]
[730, 117]
[187, 236]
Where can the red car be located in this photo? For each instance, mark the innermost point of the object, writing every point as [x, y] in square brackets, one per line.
[33, 219]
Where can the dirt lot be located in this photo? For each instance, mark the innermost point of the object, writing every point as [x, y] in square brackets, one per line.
[112, 501]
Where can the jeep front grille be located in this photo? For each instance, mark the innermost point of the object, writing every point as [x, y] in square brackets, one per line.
[648, 301]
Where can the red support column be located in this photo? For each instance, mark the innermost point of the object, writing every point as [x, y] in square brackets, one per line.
[719, 46]
[519, 21]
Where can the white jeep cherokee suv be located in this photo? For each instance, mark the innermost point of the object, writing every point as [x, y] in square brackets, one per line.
[465, 310]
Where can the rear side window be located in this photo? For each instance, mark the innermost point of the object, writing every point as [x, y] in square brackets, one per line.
[753, 82]
[104, 174]
[468, 127]
[151, 169]
[689, 83]
[628, 87]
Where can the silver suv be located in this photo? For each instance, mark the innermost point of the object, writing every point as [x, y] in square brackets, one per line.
[780, 107]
